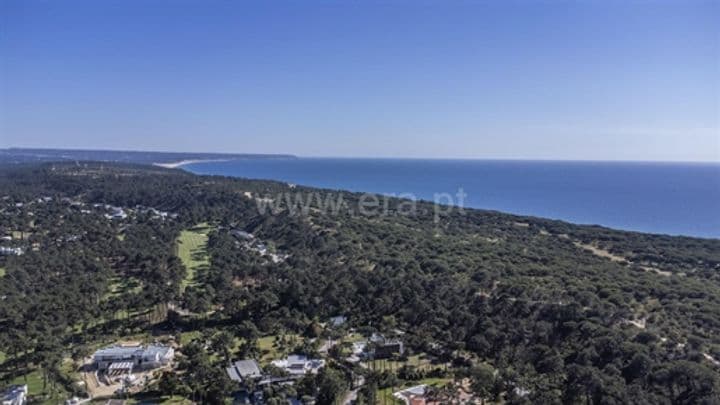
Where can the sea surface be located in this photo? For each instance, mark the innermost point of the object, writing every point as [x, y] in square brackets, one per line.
[667, 198]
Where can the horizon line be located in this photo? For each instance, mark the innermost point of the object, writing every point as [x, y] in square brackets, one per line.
[284, 154]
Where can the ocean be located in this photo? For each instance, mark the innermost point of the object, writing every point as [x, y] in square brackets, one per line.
[665, 198]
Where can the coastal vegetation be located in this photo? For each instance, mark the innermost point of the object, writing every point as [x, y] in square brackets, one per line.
[527, 310]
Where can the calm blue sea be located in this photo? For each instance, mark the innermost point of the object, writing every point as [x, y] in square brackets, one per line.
[669, 198]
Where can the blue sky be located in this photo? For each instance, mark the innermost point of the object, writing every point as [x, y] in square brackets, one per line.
[601, 80]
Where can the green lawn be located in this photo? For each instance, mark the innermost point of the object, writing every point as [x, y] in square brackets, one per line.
[120, 286]
[384, 396]
[269, 351]
[353, 337]
[420, 361]
[187, 337]
[34, 382]
[192, 250]
[161, 400]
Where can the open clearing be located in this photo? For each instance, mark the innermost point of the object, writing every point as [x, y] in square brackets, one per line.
[385, 396]
[34, 381]
[418, 361]
[120, 286]
[192, 250]
[272, 349]
[597, 251]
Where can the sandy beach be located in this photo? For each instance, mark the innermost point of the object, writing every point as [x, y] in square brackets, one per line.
[175, 165]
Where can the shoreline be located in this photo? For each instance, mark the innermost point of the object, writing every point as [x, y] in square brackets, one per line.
[550, 206]
[175, 165]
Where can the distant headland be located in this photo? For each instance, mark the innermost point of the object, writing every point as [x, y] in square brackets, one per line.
[163, 159]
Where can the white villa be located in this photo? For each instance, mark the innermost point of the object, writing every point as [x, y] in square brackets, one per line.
[126, 358]
[299, 365]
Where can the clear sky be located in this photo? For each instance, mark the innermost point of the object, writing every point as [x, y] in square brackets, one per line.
[604, 80]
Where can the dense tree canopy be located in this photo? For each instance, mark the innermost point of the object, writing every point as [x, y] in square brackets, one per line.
[562, 313]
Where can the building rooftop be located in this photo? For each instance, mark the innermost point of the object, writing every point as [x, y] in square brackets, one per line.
[337, 321]
[14, 394]
[153, 350]
[297, 364]
[131, 351]
[119, 351]
[242, 369]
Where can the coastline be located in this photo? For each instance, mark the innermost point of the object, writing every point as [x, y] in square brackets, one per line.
[175, 165]
[534, 188]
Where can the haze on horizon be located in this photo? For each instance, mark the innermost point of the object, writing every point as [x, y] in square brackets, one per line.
[588, 80]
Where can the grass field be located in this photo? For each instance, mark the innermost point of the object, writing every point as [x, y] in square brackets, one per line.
[385, 396]
[269, 351]
[120, 286]
[187, 337]
[420, 361]
[161, 400]
[192, 245]
[34, 382]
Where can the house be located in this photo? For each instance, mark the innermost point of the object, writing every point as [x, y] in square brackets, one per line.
[10, 251]
[413, 395]
[358, 351]
[240, 234]
[521, 392]
[243, 370]
[116, 213]
[380, 347]
[125, 358]
[338, 321]
[14, 395]
[388, 349]
[298, 365]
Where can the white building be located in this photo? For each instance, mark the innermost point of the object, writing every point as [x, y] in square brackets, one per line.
[116, 213]
[299, 365]
[412, 394]
[338, 321]
[15, 395]
[129, 357]
[8, 251]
